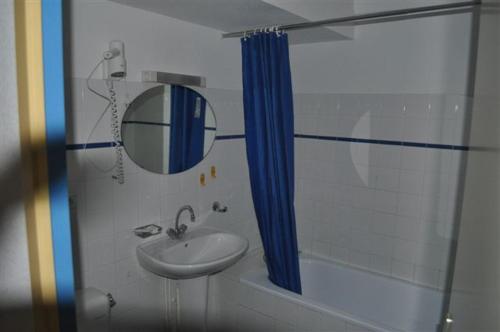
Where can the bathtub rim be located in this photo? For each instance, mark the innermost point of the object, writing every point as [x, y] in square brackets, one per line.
[250, 279]
[314, 256]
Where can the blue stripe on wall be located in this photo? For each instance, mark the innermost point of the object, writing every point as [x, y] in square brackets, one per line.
[90, 146]
[385, 142]
[317, 137]
[58, 187]
[226, 137]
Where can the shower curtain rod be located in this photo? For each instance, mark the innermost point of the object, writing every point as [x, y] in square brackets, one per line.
[359, 18]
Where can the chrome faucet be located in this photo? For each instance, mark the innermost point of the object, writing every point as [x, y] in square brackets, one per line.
[178, 231]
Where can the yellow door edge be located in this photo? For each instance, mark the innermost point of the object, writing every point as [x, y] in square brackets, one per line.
[29, 57]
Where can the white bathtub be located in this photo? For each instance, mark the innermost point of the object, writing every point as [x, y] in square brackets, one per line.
[377, 302]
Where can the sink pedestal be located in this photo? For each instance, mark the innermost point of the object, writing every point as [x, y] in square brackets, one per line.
[190, 305]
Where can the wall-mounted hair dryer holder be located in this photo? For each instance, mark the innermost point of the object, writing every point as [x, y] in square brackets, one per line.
[115, 65]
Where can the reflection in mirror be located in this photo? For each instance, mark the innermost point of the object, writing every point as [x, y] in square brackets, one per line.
[168, 129]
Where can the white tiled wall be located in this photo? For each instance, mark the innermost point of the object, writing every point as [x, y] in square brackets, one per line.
[389, 208]
[104, 212]
[385, 208]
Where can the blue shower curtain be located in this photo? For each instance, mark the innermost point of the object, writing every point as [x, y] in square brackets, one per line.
[268, 108]
[187, 129]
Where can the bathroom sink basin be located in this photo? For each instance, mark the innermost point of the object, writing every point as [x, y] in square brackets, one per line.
[200, 252]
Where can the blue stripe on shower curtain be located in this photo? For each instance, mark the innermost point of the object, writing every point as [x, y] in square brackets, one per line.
[187, 129]
[268, 108]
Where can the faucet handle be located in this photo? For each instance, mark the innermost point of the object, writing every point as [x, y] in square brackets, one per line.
[171, 233]
[177, 233]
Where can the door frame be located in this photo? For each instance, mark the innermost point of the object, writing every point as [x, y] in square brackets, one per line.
[40, 80]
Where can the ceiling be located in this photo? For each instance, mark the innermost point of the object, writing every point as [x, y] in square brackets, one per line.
[236, 15]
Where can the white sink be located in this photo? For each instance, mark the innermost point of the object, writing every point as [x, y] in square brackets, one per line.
[200, 252]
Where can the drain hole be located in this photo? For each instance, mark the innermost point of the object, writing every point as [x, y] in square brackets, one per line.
[185, 245]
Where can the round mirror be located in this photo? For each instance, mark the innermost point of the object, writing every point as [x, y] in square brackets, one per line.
[168, 129]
